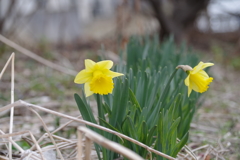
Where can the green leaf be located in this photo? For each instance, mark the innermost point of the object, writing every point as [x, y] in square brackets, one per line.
[106, 124]
[150, 135]
[180, 144]
[115, 106]
[133, 99]
[172, 136]
[87, 115]
[174, 126]
[107, 109]
[100, 107]
[167, 87]
[84, 109]
[119, 103]
[144, 131]
[108, 99]
[129, 129]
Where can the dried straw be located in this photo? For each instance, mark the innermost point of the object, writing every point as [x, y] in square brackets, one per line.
[36, 57]
[21, 103]
[92, 136]
[12, 57]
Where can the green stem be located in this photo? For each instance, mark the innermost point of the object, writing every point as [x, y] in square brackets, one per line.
[167, 86]
[100, 109]
[101, 116]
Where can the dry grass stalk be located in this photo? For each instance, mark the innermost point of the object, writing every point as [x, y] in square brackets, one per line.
[3, 158]
[88, 145]
[36, 57]
[39, 140]
[50, 135]
[56, 130]
[190, 152]
[64, 125]
[21, 103]
[80, 146]
[14, 143]
[19, 148]
[201, 147]
[11, 58]
[92, 136]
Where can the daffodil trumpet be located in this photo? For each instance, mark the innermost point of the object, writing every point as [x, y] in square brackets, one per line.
[197, 79]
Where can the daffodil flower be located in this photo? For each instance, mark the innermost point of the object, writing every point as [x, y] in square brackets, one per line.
[197, 79]
[97, 77]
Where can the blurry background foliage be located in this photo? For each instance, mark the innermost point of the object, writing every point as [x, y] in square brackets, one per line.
[148, 104]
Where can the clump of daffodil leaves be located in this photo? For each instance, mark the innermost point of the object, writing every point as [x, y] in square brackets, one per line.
[197, 79]
[97, 77]
[128, 116]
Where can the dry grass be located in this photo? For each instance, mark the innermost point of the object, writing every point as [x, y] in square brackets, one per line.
[31, 107]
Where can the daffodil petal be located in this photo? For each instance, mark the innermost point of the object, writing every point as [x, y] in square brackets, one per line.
[87, 90]
[112, 74]
[107, 64]
[89, 64]
[83, 77]
[187, 81]
[189, 91]
[194, 86]
[203, 74]
[205, 65]
[201, 66]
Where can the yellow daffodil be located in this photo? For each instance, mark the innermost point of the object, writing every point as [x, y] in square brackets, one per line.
[197, 79]
[97, 77]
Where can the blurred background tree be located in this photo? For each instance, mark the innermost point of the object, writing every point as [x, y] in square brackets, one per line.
[177, 17]
[80, 23]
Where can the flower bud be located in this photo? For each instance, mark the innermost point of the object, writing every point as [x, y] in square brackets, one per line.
[184, 67]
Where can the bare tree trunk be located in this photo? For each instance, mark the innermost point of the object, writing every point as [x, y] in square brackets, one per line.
[175, 16]
[7, 14]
